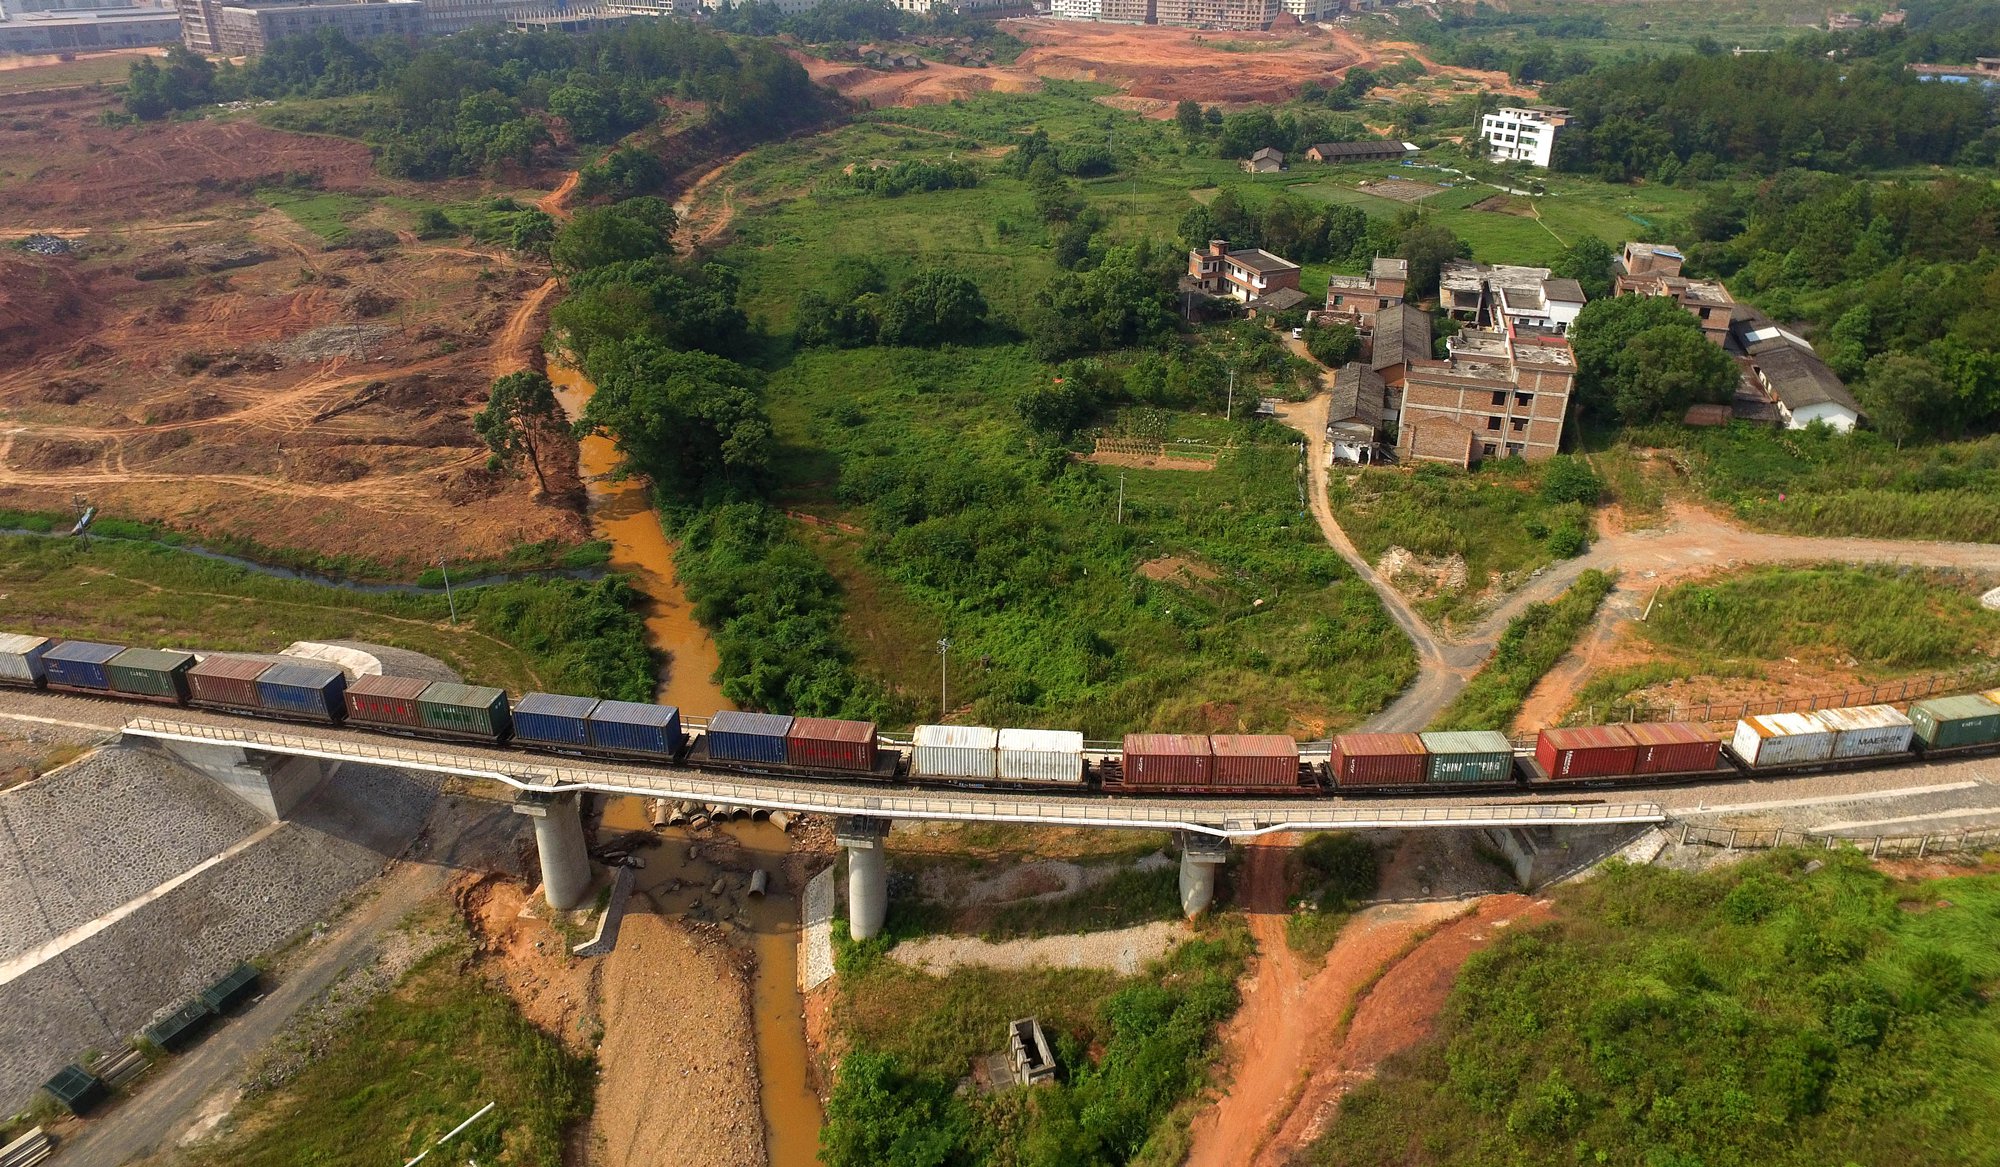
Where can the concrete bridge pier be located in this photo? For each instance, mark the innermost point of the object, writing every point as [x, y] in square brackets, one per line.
[273, 784]
[866, 842]
[559, 842]
[1200, 856]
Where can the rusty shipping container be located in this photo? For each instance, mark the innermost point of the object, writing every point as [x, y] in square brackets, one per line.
[1379, 759]
[1781, 739]
[830, 743]
[1674, 747]
[385, 701]
[1168, 759]
[227, 680]
[1255, 759]
[1586, 751]
[1867, 731]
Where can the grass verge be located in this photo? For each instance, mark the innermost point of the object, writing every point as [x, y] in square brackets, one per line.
[1534, 641]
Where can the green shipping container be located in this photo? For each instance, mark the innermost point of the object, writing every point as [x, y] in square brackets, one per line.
[1944, 722]
[464, 709]
[149, 672]
[1478, 755]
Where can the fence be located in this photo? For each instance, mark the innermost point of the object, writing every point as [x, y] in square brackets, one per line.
[1887, 693]
[1977, 839]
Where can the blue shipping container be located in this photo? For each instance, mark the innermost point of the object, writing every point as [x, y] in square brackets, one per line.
[748, 737]
[552, 718]
[636, 728]
[315, 691]
[79, 664]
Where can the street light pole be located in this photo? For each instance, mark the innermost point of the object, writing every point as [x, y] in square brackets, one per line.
[944, 704]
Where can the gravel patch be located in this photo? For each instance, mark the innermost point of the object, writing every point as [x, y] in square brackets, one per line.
[1125, 950]
[355, 341]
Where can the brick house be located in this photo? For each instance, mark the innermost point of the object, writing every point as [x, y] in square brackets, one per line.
[1498, 394]
[1654, 269]
[1497, 295]
[1356, 299]
[1244, 274]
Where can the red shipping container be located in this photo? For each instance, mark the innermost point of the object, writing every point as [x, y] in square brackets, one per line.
[828, 742]
[1168, 759]
[226, 680]
[1586, 751]
[385, 700]
[1672, 747]
[1379, 759]
[1255, 759]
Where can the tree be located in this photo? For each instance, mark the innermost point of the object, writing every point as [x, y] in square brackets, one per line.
[1604, 330]
[1333, 345]
[178, 80]
[1666, 369]
[882, 1116]
[1566, 478]
[933, 307]
[597, 236]
[679, 305]
[1427, 245]
[1588, 262]
[589, 111]
[693, 422]
[532, 231]
[1905, 397]
[1187, 115]
[521, 413]
[624, 173]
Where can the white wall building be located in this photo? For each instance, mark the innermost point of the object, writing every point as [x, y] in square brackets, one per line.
[1076, 9]
[1523, 134]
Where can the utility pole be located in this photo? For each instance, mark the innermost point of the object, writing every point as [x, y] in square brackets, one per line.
[1230, 411]
[1121, 498]
[450, 603]
[944, 704]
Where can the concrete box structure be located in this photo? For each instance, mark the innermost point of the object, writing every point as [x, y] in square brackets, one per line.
[1507, 395]
[249, 31]
[1523, 133]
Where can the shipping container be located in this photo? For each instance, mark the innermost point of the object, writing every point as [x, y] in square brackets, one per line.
[1965, 720]
[304, 690]
[79, 664]
[747, 737]
[553, 719]
[1168, 759]
[630, 727]
[21, 658]
[226, 680]
[1586, 751]
[955, 751]
[831, 744]
[1781, 739]
[1674, 747]
[1041, 755]
[467, 710]
[151, 674]
[385, 701]
[1473, 755]
[1378, 759]
[1867, 731]
[1255, 759]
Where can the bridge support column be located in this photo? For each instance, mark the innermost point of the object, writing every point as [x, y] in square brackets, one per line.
[273, 784]
[559, 842]
[866, 842]
[1200, 856]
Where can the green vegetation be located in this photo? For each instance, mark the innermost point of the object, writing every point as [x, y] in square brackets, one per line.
[1118, 898]
[1797, 1009]
[1534, 641]
[1644, 358]
[1333, 874]
[324, 213]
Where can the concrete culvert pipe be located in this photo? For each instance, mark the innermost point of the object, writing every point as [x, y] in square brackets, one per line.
[781, 819]
[656, 813]
[758, 814]
[760, 882]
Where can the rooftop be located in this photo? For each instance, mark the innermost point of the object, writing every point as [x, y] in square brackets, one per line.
[1357, 396]
[1341, 149]
[1387, 267]
[1259, 260]
[1798, 377]
[1402, 335]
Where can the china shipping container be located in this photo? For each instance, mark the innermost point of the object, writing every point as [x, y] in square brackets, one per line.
[467, 710]
[1041, 755]
[955, 751]
[830, 743]
[1867, 731]
[1586, 751]
[151, 674]
[1168, 759]
[1965, 720]
[1674, 747]
[553, 719]
[304, 690]
[747, 737]
[1470, 755]
[226, 680]
[1781, 739]
[21, 658]
[385, 701]
[1378, 759]
[635, 728]
[79, 664]
[1255, 759]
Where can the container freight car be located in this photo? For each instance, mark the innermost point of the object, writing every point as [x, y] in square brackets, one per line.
[308, 691]
[956, 753]
[1256, 761]
[1168, 761]
[1586, 751]
[227, 682]
[1781, 739]
[1053, 756]
[1378, 759]
[1867, 731]
[150, 674]
[629, 727]
[21, 659]
[553, 719]
[746, 737]
[1468, 757]
[827, 743]
[1674, 747]
[1946, 723]
[478, 712]
[78, 666]
[389, 702]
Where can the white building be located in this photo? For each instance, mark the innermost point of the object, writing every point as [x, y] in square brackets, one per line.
[1076, 9]
[1508, 296]
[1523, 134]
[1310, 11]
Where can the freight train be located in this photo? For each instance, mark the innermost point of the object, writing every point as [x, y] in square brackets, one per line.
[986, 757]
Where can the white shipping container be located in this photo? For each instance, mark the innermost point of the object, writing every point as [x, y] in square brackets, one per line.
[1781, 739]
[1041, 755]
[1867, 731]
[21, 657]
[955, 751]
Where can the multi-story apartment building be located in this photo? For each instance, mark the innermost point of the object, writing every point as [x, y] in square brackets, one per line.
[1245, 274]
[444, 17]
[1490, 295]
[1498, 394]
[64, 28]
[1225, 14]
[249, 31]
[1654, 269]
[1523, 133]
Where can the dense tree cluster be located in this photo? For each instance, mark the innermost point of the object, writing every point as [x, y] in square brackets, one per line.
[932, 307]
[1640, 358]
[912, 176]
[1123, 301]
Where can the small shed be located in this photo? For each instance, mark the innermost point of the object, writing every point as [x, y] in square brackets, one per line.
[1028, 1053]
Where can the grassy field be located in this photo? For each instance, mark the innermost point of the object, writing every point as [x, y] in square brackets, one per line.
[1533, 643]
[102, 69]
[324, 213]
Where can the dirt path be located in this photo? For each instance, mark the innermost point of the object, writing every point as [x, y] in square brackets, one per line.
[519, 344]
[556, 203]
[701, 223]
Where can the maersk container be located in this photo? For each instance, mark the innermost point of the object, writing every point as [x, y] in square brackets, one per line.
[1168, 759]
[748, 737]
[1674, 747]
[1473, 755]
[1966, 720]
[151, 674]
[469, 710]
[1041, 755]
[304, 690]
[79, 664]
[635, 728]
[385, 701]
[1586, 751]
[1867, 731]
[955, 751]
[1255, 759]
[226, 680]
[1781, 739]
[553, 719]
[1378, 759]
[21, 658]
[828, 743]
